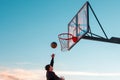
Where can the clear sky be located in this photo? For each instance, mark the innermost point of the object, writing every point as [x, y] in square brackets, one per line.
[27, 27]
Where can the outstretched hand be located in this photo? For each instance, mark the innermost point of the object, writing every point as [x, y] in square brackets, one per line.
[62, 78]
[53, 55]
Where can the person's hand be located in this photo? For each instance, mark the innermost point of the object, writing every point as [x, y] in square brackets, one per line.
[53, 55]
[62, 78]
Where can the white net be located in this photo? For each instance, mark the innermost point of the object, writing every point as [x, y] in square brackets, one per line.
[64, 40]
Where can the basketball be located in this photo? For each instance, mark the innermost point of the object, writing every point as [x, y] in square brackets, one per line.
[53, 44]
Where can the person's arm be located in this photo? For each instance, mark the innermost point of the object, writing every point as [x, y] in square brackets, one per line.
[52, 60]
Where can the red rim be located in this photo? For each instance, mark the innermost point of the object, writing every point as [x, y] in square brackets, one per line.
[65, 34]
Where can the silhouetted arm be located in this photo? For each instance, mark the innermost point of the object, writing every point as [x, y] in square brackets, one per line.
[52, 60]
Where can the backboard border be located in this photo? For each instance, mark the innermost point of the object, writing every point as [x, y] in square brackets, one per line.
[86, 4]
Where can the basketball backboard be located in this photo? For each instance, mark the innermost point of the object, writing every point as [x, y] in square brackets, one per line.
[79, 25]
[79, 28]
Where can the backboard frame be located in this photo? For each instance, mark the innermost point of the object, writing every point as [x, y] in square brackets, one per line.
[76, 18]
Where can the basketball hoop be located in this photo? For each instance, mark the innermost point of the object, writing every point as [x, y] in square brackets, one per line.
[64, 39]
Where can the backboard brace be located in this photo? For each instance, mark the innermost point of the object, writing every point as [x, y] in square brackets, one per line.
[79, 28]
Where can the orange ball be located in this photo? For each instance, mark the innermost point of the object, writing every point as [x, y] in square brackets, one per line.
[53, 44]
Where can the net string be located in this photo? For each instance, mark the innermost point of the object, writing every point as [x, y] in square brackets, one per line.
[64, 40]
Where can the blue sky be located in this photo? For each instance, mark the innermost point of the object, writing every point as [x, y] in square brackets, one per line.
[27, 27]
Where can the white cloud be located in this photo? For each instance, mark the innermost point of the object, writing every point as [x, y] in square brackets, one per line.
[88, 73]
[23, 63]
[21, 74]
